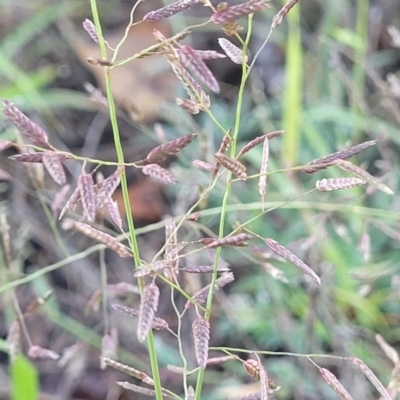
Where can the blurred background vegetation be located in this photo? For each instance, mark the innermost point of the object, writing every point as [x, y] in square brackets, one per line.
[330, 77]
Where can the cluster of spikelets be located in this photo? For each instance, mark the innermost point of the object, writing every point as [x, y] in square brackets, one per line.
[93, 197]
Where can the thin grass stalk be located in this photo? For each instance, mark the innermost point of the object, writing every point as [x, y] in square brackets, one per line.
[200, 376]
[125, 193]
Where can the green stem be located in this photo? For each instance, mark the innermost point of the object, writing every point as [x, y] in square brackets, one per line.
[125, 192]
[200, 376]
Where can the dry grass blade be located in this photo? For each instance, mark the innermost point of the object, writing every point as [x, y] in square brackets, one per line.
[390, 352]
[201, 336]
[232, 51]
[127, 370]
[28, 157]
[370, 376]
[158, 323]
[278, 18]
[169, 10]
[327, 185]
[87, 195]
[232, 165]
[162, 152]
[334, 383]
[38, 352]
[106, 188]
[258, 140]
[362, 174]
[262, 183]
[288, 255]
[53, 164]
[231, 14]
[32, 131]
[110, 242]
[193, 60]
[159, 174]
[148, 307]
[326, 161]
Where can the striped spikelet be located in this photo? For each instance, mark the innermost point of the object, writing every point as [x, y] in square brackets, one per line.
[327, 185]
[201, 336]
[148, 307]
[233, 13]
[232, 165]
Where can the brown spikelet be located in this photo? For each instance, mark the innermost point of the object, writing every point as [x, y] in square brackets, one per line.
[32, 131]
[231, 14]
[157, 324]
[151, 269]
[278, 18]
[334, 383]
[107, 187]
[123, 289]
[370, 376]
[190, 106]
[162, 152]
[258, 140]
[223, 147]
[203, 269]
[220, 360]
[264, 380]
[201, 336]
[190, 394]
[128, 370]
[109, 241]
[71, 203]
[94, 302]
[169, 10]
[13, 342]
[193, 216]
[288, 255]
[53, 164]
[194, 90]
[327, 185]
[193, 60]
[148, 306]
[209, 54]
[326, 161]
[115, 215]
[109, 345]
[239, 240]
[252, 367]
[159, 174]
[232, 51]
[59, 199]
[87, 195]
[262, 183]
[91, 30]
[224, 279]
[362, 174]
[232, 165]
[389, 351]
[28, 157]
[42, 353]
[202, 165]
